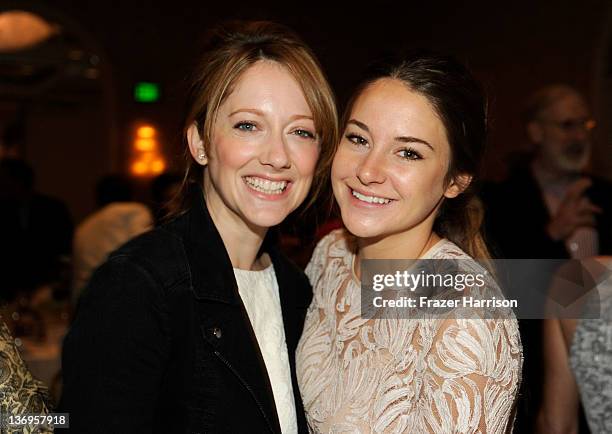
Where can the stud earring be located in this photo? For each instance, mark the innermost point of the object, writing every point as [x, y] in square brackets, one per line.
[201, 155]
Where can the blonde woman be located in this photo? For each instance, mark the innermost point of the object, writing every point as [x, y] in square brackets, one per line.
[193, 326]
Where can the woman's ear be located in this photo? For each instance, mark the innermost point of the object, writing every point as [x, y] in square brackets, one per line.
[458, 185]
[196, 145]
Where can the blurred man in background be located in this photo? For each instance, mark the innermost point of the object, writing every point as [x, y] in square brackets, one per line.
[550, 207]
[35, 232]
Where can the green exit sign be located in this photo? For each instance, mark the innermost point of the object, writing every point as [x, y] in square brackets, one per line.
[146, 92]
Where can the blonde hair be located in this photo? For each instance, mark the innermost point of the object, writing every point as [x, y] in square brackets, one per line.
[231, 49]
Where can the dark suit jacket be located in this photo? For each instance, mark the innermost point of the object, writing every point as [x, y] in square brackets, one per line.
[516, 218]
[162, 343]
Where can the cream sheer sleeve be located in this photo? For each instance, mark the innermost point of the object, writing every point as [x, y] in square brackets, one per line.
[470, 377]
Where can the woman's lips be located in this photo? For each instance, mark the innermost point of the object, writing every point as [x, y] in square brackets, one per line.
[267, 188]
[367, 199]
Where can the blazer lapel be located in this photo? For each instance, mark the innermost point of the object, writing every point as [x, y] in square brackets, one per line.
[224, 322]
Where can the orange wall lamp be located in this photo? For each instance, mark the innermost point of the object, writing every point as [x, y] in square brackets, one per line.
[147, 160]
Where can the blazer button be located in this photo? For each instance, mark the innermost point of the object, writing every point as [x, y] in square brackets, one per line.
[216, 331]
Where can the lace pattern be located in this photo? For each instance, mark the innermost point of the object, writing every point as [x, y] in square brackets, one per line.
[400, 375]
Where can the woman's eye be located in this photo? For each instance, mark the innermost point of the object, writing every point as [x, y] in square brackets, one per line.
[245, 126]
[410, 154]
[357, 139]
[304, 133]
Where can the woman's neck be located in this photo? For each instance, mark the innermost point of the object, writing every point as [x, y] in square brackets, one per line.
[397, 246]
[242, 241]
[412, 244]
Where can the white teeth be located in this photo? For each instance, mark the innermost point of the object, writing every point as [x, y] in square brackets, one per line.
[265, 185]
[370, 199]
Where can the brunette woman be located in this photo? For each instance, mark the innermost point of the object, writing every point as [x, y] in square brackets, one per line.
[402, 175]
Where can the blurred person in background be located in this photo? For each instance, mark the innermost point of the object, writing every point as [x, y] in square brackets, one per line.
[12, 140]
[550, 207]
[117, 220]
[35, 229]
[578, 360]
[192, 327]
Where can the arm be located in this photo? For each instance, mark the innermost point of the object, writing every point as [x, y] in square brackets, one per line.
[473, 373]
[559, 412]
[115, 353]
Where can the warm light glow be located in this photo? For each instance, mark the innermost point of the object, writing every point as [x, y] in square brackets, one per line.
[147, 160]
[139, 168]
[148, 156]
[145, 145]
[158, 166]
[20, 30]
[145, 132]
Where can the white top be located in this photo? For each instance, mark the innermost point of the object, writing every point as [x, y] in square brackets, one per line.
[395, 375]
[259, 293]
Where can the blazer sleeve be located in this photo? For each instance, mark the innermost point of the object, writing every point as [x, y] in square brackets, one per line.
[115, 352]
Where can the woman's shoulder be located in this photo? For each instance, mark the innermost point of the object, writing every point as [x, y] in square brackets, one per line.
[336, 243]
[446, 249]
[157, 256]
[156, 243]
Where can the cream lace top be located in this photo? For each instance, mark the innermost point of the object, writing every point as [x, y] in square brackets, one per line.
[259, 293]
[401, 375]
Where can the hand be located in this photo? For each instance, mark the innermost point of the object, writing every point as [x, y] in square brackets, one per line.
[575, 211]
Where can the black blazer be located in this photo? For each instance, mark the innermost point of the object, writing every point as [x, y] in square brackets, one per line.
[516, 217]
[162, 343]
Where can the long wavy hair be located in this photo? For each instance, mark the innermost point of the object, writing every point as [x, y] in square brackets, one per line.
[230, 50]
[459, 101]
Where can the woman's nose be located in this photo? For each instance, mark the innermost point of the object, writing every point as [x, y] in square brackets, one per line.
[371, 170]
[275, 153]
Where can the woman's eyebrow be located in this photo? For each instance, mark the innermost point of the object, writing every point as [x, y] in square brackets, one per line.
[410, 139]
[359, 124]
[404, 139]
[261, 113]
[247, 110]
[296, 117]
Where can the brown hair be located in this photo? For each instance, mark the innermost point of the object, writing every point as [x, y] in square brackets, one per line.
[230, 50]
[459, 101]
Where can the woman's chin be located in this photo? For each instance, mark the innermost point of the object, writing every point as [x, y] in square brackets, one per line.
[361, 230]
[266, 221]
